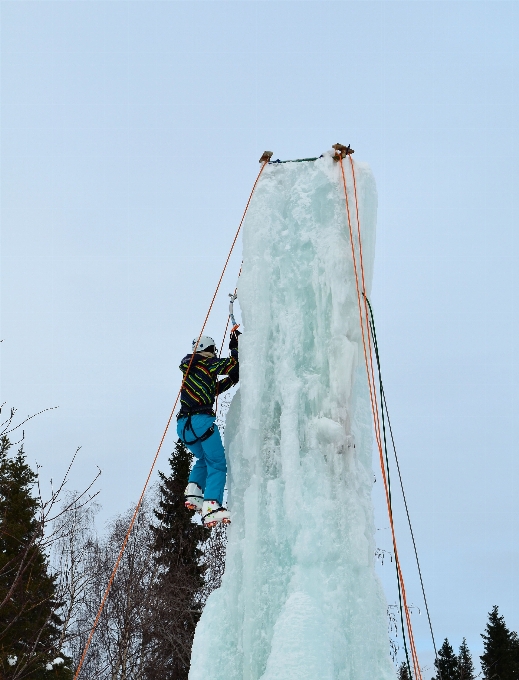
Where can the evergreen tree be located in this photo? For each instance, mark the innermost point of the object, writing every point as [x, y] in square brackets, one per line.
[446, 663]
[29, 626]
[501, 649]
[181, 584]
[403, 672]
[465, 665]
[515, 652]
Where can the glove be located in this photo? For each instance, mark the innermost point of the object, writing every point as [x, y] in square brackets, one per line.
[234, 374]
[233, 342]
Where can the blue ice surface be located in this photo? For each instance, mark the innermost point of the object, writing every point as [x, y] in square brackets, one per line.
[300, 599]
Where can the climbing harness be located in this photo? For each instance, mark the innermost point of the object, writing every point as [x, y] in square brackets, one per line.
[341, 152]
[189, 426]
[264, 160]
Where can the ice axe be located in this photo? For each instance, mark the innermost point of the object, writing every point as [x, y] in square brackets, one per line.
[235, 325]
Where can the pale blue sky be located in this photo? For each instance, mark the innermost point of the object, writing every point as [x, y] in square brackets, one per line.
[131, 133]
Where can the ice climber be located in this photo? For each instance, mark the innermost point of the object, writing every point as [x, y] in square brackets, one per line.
[196, 425]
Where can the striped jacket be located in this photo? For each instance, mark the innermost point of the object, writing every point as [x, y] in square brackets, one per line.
[202, 385]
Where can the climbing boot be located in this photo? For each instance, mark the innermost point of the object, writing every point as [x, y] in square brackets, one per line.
[213, 514]
[194, 497]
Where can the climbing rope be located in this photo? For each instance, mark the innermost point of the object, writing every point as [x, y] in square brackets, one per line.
[384, 409]
[368, 358]
[264, 162]
[375, 344]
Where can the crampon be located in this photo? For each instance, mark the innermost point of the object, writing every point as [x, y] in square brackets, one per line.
[194, 497]
[213, 514]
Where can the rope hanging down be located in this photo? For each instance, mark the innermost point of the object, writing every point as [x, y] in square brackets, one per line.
[264, 160]
[372, 328]
[384, 410]
[342, 152]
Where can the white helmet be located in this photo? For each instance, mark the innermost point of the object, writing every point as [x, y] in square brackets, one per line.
[204, 342]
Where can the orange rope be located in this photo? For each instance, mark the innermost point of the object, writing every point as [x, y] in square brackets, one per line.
[132, 522]
[410, 631]
[364, 319]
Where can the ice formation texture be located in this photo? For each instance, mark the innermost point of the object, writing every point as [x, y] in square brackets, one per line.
[300, 599]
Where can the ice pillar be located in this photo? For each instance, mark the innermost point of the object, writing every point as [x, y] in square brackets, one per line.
[300, 599]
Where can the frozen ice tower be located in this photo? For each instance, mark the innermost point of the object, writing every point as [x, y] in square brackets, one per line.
[300, 599]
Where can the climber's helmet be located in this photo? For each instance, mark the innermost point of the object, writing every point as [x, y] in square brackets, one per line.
[204, 344]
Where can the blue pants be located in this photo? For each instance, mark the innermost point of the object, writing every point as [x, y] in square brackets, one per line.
[210, 467]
